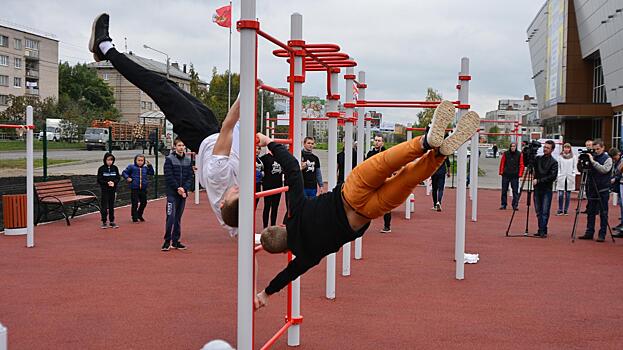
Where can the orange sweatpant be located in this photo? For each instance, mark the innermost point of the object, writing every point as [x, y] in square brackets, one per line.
[368, 188]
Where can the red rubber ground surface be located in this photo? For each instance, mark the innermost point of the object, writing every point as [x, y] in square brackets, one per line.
[86, 288]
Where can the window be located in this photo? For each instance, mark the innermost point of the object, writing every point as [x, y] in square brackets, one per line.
[4, 100]
[18, 62]
[17, 43]
[616, 130]
[4, 80]
[4, 60]
[32, 44]
[4, 41]
[149, 105]
[17, 82]
[143, 104]
[105, 76]
[599, 86]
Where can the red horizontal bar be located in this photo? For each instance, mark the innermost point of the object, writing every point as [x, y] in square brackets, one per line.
[283, 141]
[316, 119]
[279, 333]
[405, 102]
[498, 121]
[271, 192]
[422, 129]
[274, 40]
[277, 118]
[13, 126]
[387, 105]
[276, 91]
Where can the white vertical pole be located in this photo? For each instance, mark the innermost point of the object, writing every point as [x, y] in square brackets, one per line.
[248, 74]
[197, 187]
[296, 33]
[361, 111]
[268, 125]
[30, 181]
[461, 193]
[348, 155]
[367, 138]
[332, 108]
[408, 201]
[3, 335]
[473, 172]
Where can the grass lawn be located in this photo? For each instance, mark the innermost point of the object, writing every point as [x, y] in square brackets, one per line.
[21, 163]
[20, 145]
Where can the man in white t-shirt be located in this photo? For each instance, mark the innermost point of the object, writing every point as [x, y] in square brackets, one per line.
[194, 123]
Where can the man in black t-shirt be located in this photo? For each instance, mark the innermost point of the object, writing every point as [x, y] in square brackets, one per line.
[310, 166]
[273, 178]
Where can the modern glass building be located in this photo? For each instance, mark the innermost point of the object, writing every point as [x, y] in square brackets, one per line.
[576, 48]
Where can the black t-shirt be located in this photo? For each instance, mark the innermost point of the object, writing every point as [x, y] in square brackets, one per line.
[309, 174]
[273, 177]
[316, 226]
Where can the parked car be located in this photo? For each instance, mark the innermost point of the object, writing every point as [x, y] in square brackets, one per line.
[489, 153]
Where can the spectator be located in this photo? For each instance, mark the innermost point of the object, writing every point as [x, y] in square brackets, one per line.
[511, 169]
[379, 146]
[137, 177]
[565, 182]
[589, 146]
[153, 141]
[341, 159]
[310, 165]
[273, 178]
[178, 175]
[615, 181]
[598, 191]
[439, 182]
[495, 150]
[108, 177]
[259, 173]
[545, 172]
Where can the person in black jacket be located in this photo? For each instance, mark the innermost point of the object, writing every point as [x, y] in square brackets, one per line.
[273, 178]
[545, 173]
[310, 166]
[379, 146]
[178, 174]
[597, 191]
[439, 183]
[511, 169]
[320, 226]
[108, 177]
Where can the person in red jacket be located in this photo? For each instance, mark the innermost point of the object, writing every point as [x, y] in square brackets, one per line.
[511, 169]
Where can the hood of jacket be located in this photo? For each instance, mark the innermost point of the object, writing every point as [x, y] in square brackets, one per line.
[139, 155]
[108, 154]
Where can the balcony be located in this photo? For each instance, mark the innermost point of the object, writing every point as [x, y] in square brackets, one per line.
[32, 91]
[31, 73]
[31, 54]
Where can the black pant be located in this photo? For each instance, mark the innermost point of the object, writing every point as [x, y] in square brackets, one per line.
[108, 205]
[175, 209]
[271, 207]
[387, 220]
[139, 202]
[192, 120]
[152, 145]
[439, 183]
[597, 204]
[513, 181]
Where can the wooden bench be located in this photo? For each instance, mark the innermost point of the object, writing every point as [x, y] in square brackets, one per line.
[54, 195]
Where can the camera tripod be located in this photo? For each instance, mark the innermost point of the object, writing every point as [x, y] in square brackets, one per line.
[528, 176]
[583, 184]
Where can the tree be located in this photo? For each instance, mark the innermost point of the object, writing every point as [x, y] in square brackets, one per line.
[493, 138]
[425, 116]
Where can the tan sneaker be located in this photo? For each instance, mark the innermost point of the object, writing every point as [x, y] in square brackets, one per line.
[465, 128]
[444, 113]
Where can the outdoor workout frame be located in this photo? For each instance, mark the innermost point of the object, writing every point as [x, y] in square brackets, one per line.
[301, 57]
[30, 171]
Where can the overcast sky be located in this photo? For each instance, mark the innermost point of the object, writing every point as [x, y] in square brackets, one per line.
[403, 46]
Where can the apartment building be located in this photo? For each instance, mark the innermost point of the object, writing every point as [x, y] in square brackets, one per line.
[28, 64]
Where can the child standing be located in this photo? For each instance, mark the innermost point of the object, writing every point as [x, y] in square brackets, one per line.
[178, 174]
[108, 177]
[137, 177]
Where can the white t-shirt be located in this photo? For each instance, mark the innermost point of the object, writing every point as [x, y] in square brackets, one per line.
[218, 173]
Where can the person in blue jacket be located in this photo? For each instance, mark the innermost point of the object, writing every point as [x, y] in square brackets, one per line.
[178, 175]
[137, 176]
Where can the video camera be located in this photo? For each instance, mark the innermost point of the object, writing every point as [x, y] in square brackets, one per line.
[584, 162]
[529, 152]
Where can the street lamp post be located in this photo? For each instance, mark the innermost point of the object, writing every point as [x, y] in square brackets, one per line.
[157, 133]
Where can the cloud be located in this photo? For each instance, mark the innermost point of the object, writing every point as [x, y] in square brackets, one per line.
[404, 47]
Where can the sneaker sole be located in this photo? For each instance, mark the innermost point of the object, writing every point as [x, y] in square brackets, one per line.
[464, 130]
[444, 113]
[164, 250]
[92, 47]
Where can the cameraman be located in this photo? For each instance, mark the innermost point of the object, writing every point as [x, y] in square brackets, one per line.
[597, 190]
[545, 173]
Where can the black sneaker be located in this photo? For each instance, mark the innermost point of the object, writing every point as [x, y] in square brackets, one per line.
[178, 245]
[141, 219]
[134, 220]
[99, 33]
[103, 225]
[600, 240]
[386, 230]
[113, 225]
[166, 246]
[586, 237]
